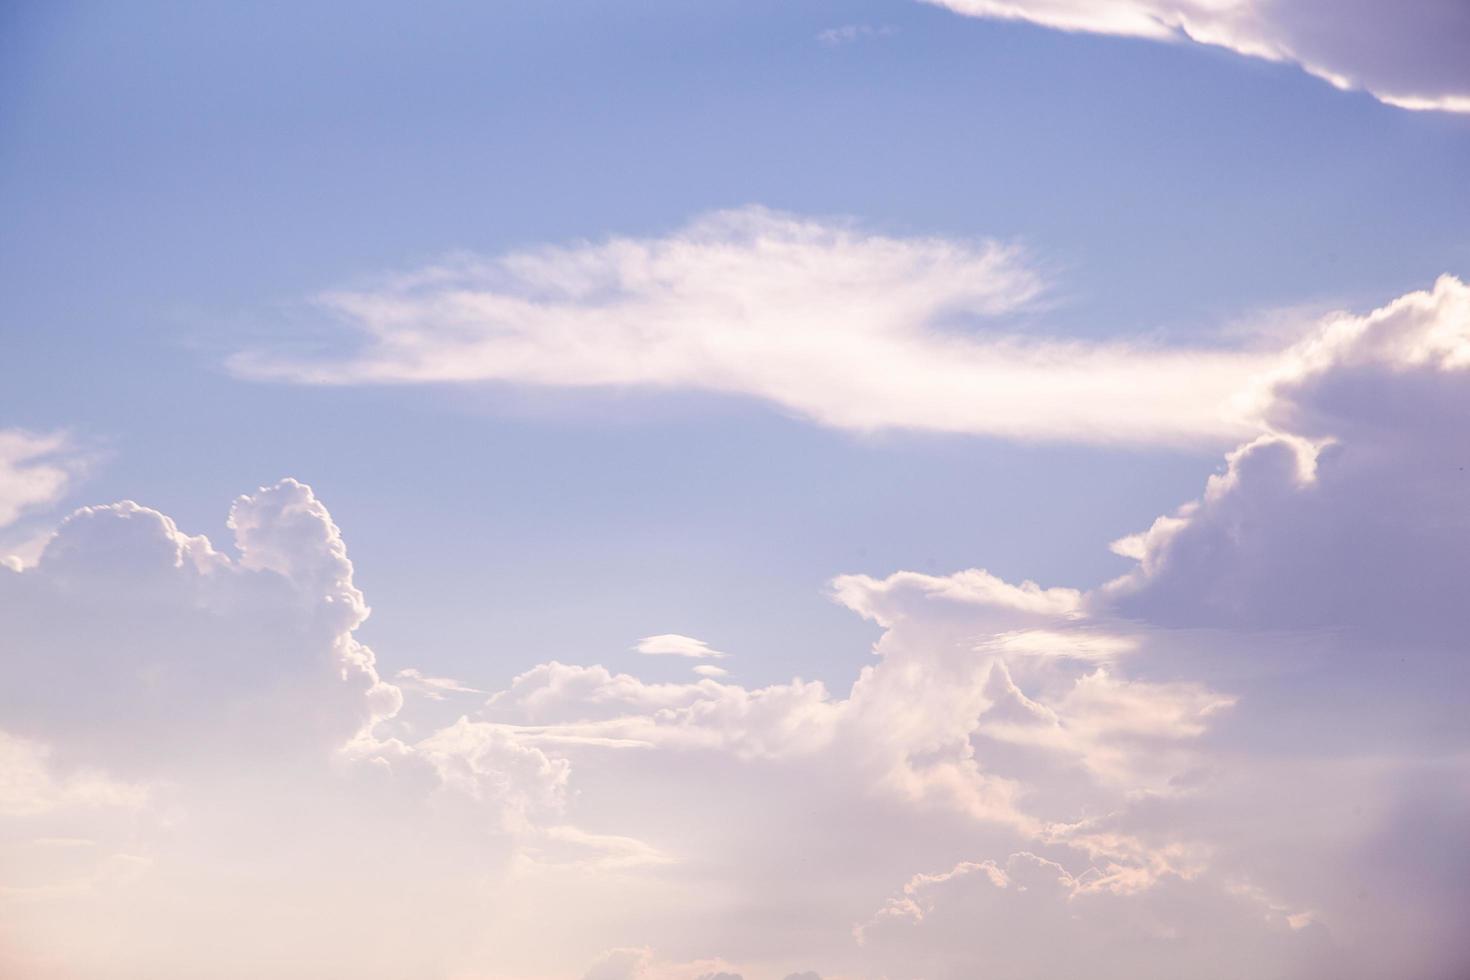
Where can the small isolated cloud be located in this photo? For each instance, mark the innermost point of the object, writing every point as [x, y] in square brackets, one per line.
[848, 33]
[676, 645]
[1410, 53]
[36, 469]
[710, 670]
[846, 327]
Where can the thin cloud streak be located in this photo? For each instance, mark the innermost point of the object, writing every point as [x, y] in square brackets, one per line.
[850, 329]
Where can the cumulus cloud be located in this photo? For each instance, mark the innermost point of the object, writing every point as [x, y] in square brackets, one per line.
[172, 713]
[485, 762]
[1409, 54]
[846, 327]
[129, 642]
[1309, 597]
[1187, 770]
[1364, 474]
[1245, 757]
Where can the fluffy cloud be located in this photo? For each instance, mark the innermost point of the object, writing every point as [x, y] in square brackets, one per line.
[846, 327]
[1246, 757]
[1309, 597]
[1409, 54]
[1364, 474]
[1192, 769]
[133, 645]
[198, 753]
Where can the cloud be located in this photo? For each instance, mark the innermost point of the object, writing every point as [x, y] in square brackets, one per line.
[1408, 54]
[849, 33]
[1197, 764]
[1245, 757]
[36, 470]
[1031, 918]
[30, 786]
[675, 645]
[130, 643]
[1350, 512]
[184, 712]
[1309, 597]
[433, 688]
[849, 328]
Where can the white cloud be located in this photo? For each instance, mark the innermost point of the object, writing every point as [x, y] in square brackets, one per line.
[36, 470]
[1194, 765]
[29, 785]
[1248, 756]
[1350, 513]
[485, 763]
[433, 688]
[676, 645]
[130, 642]
[187, 713]
[849, 328]
[1409, 54]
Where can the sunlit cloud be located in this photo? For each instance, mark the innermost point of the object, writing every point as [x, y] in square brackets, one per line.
[676, 645]
[846, 327]
[1409, 54]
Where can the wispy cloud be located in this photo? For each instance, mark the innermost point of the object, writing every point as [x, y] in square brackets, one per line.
[35, 470]
[848, 33]
[433, 688]
[849, 328]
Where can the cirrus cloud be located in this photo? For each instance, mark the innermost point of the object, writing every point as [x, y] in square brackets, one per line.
[852, 329]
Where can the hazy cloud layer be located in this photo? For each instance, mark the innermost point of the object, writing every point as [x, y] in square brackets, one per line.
[1247, 757]
[1409, 54]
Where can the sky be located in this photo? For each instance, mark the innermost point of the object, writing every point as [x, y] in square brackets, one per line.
[660, 491]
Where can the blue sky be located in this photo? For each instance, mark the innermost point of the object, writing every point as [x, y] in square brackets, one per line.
[180, 177]
[181, 182]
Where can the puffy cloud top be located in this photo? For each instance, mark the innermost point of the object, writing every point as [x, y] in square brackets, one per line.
[133, 643]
